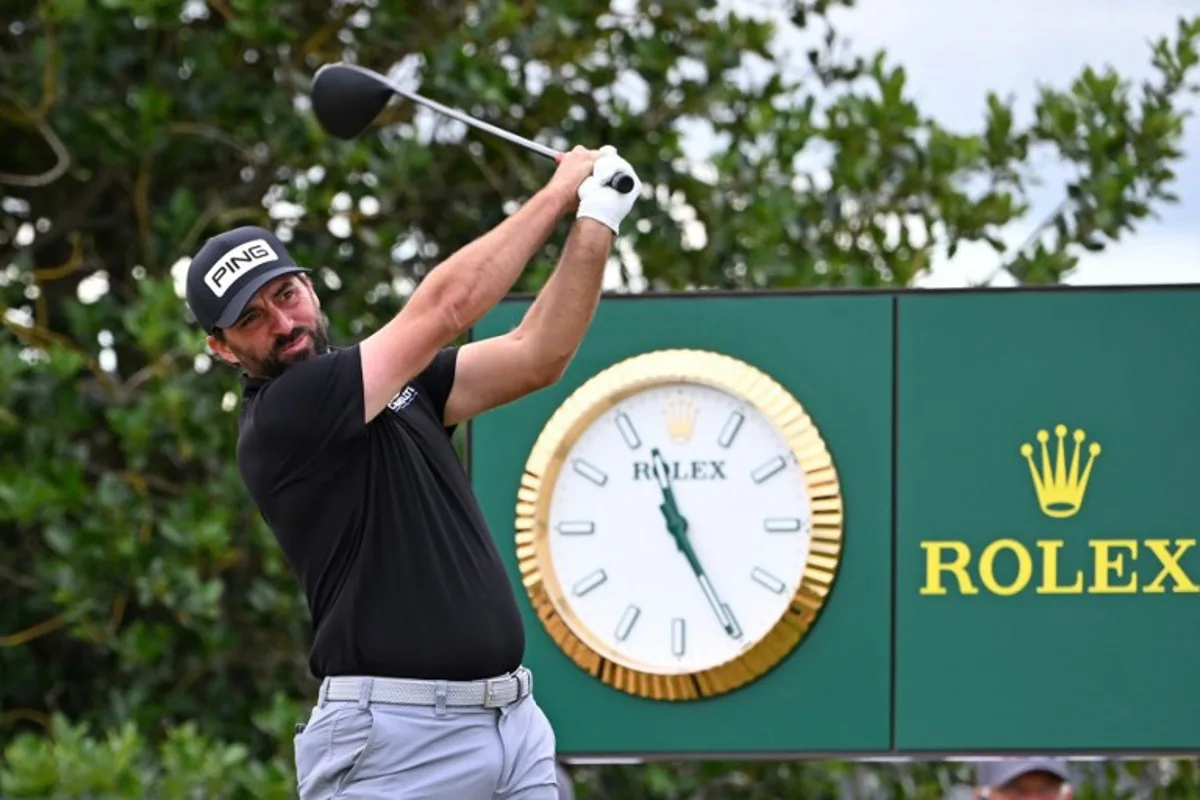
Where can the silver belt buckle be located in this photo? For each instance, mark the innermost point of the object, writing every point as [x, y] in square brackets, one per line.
[489, 698]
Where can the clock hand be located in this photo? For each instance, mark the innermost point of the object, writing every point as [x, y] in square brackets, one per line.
[677, 525]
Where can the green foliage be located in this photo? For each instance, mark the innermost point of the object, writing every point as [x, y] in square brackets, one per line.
[152, 640]
[72, 762]
[827, 780]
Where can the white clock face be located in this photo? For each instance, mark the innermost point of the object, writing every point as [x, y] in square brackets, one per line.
[617, 554]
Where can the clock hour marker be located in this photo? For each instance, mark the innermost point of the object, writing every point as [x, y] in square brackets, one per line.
[781, 525]
[575, 528]
[626, 624]
[764, 578]
[732, 426]
[625, 426]
[585, 585]
[768, 469]
[591, 473]
[677, 637]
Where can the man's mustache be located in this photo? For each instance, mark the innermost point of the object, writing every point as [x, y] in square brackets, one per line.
[291, 339]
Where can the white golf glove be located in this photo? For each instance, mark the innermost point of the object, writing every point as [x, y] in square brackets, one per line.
[604, 203]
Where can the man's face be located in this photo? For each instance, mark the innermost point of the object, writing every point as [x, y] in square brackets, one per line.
[281, 325]
[1031, 786]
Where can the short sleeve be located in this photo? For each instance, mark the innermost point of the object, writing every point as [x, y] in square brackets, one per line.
[437, 379]
[315, 405]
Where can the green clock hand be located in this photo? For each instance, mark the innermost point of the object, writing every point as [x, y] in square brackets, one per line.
[677, 525]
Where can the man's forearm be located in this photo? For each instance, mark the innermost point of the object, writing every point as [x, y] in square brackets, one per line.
[481, 273]
[560, 315]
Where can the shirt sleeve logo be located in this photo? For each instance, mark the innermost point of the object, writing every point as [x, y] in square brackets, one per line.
[403, 399]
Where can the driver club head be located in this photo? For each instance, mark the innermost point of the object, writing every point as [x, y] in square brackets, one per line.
[346, 100]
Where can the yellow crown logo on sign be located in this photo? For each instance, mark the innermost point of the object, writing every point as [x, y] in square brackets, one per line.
[1059, 491]
[681, 419]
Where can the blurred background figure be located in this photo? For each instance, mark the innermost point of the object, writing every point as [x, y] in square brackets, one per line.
[566, 785]
[1024, 778]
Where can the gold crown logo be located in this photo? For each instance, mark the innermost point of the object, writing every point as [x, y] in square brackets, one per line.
[681, 419]
[1059, 492]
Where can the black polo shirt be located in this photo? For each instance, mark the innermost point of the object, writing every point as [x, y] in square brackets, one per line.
[379, 523]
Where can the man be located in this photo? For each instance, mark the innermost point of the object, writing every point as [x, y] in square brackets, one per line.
[1028, 778]
[346, 452]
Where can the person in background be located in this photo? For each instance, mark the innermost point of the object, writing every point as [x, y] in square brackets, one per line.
[1024, 778]
[566, 784]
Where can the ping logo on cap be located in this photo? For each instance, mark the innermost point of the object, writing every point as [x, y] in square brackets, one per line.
[233, 264]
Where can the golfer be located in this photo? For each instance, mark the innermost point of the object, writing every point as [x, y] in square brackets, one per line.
[346, 452]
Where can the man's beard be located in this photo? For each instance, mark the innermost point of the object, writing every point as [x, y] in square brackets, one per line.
[275, 364]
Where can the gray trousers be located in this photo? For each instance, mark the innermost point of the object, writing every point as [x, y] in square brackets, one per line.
[379, 751]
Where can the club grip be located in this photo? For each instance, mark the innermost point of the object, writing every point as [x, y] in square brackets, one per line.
[621, 181]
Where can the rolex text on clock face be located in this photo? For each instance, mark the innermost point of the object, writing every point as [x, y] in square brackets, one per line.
[678, 528]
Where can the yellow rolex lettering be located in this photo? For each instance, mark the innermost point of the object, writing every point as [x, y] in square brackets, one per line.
[935, 565]
[987, 571]
[1170, 566]
[1050, 584]
[1113, 569]
[1107, 562]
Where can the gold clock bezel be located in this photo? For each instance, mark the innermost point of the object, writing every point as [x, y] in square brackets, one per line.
[596, 396]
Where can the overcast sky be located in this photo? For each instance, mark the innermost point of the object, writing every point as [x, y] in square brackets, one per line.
[955, 51]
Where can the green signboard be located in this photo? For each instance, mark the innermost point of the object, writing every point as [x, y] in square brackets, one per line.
[840, 523]
[1049, 444]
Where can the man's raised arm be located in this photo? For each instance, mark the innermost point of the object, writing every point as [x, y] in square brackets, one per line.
[463, 288]
[500, 369]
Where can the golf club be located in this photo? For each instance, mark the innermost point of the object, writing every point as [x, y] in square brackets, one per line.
[347, 98]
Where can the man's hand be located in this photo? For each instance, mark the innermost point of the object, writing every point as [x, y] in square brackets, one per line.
[574, 168]
[601, 202]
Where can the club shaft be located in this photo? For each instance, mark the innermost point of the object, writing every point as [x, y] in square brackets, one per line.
[467, 119]
[620, 181]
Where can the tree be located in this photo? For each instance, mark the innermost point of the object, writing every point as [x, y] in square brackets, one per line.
[147, 619]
